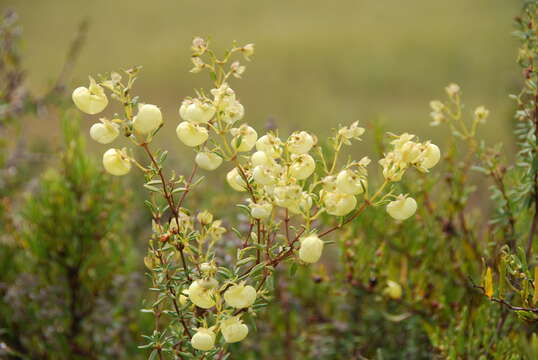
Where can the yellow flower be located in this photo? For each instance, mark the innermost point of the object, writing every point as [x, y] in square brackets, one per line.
[265, 175]
[203, 340]
[208, 160]
[261, 210]
[148, 119]
[205, 217]
[196, 111]
[311, 249]
[302, 166]
[116, 162]
[201, 294]
[352, 132]
[233, 330]
[300, 142]
[216, 230]
[481, 114]
[240, 296]
[91, 100]
[260, 158]
[235, 180]
[104, 132]
[270, 144]
[191, 134]
[402, 208]
[245, 136]
[452, 89]
[430, 156]
[338, 203]
[349, 182]
[393, 290]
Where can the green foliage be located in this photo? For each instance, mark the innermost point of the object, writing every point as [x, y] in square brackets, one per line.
[68, 287]
[74, 295]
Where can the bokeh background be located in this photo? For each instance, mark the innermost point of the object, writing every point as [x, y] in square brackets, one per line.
[317, 63]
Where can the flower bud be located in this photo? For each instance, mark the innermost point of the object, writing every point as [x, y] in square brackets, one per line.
[300, 142]
[91, 100]
[116, 162]
[235, 180]
[248, 51]
[201, 294]
[240, 296]
[481, 114]
[104, 132]
[349, 182]
[244, 138]
[452, 89]
[261, 210]
[437, 118]
[233, 330]
[393, 290]
[148, 119]
[208, 160]
[302, 166]
[338, 203]
[311, 249]
[431, 156]
[191, 134]
[196, 111]
[198, 63]
[208, 269]
[402, 208]
[203, 340]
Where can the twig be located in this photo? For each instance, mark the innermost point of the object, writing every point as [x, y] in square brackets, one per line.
[504, 302]
[170, 199]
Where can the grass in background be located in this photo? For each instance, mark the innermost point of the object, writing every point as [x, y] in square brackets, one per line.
[316, 62]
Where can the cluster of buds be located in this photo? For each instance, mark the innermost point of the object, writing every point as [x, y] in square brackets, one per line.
[285, 185]
[406, 153]
[450, 112]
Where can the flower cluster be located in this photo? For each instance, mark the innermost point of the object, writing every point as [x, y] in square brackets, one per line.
[450, 112]
[285, 184]
[407, 153]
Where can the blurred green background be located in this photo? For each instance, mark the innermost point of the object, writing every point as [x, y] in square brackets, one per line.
[317, 63]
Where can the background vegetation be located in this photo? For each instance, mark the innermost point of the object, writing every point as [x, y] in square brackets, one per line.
[317, 63]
